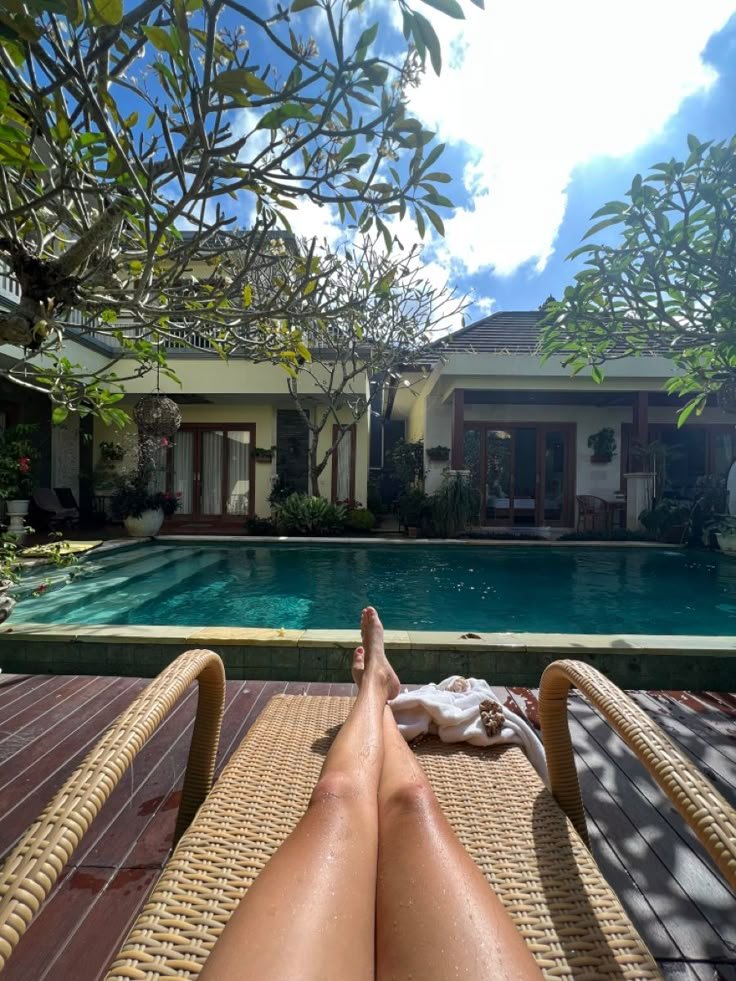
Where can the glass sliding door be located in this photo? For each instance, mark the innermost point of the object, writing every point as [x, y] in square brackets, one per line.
[498, 469]
[211, 469]
[237, 489]
[527, 469]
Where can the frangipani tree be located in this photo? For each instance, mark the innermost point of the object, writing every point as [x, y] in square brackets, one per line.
[388, 325]
[137, 136]
[667, 285]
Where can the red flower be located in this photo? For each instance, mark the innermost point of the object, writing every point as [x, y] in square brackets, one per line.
[178, 493]
[24, 464]
[164, 441]
[42, 588]
[167, 495]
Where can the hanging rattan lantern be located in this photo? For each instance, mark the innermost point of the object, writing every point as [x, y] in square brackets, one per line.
[156, 415]
[726, 394]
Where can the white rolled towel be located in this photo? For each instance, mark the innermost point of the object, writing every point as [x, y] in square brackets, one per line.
[455, 716]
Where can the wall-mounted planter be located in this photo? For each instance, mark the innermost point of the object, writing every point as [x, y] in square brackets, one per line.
[600, 458]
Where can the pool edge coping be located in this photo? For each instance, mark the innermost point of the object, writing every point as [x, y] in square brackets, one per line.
[395, 639]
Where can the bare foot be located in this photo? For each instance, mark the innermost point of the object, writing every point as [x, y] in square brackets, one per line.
[370, 659]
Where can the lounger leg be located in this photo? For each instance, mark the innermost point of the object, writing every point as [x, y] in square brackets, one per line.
[437, 917]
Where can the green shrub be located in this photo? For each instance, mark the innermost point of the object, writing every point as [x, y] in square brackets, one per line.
[301, 514]
[259, 526]
[664, 519]
[360, 519]
[617, 535]
[413, 508]
[454, 506]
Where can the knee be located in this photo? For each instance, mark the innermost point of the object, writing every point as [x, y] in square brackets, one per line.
[334, 789]
[414, 799]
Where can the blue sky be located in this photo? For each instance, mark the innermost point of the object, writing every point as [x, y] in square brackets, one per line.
[549, 107]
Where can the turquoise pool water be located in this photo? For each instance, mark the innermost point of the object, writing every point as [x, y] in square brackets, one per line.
[465, 588]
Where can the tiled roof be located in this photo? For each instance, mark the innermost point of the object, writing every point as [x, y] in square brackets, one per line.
[509, 332]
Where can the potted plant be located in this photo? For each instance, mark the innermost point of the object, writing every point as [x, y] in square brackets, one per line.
[142, 510]
[263, 454]
[724, 527]
[668, 521]
[18, 462]
[603, 445]
[413, 508]
[438, 454]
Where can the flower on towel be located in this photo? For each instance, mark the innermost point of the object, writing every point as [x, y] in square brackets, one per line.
[491, 715]
[459, 685]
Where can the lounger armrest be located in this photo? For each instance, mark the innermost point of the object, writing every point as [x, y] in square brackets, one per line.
[33, 866]
[706, 811]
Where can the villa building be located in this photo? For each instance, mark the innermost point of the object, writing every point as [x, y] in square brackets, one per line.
[503, 413]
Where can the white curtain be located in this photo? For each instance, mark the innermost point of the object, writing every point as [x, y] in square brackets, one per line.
[158, 478]
[212, 448]
[238, 483]
[183, 469]
[344, 454]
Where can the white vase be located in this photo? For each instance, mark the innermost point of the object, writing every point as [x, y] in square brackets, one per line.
[17, 511]
[726, 541]
[148, 525]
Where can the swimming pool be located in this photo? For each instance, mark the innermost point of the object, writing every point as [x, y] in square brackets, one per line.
[418, 587]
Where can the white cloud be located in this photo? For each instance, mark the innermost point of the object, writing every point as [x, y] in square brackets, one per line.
[534, 89]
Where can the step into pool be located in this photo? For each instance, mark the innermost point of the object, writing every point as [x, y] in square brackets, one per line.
[419, 587]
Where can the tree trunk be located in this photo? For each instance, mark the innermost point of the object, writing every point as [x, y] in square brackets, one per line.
[314, 469]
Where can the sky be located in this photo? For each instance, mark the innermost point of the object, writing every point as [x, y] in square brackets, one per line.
[549, 108]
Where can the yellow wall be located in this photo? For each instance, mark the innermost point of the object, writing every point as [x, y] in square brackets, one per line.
[263, 416]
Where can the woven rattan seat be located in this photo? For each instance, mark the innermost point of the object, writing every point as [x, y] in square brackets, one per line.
[512, 826]
[494, 800]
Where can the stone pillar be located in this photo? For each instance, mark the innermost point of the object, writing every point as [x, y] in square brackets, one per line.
[639, 493]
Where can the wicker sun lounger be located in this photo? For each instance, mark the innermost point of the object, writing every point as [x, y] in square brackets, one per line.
[536, 858]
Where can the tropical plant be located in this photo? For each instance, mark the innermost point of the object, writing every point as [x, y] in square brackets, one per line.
[406, 460]
[111, 452]
[666, 285]
[413, 507]
[259, 526]
[134, 135]
[710, 502]
[19, 458]
[667, 519]
[302, 514]
[603, 444]
[133, 496]
[360, 520]
[454, 505]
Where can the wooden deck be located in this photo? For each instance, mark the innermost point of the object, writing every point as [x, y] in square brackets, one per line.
[47, 724]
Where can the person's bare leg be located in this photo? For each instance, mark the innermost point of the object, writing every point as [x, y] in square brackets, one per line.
[311, 911]
[436, 915]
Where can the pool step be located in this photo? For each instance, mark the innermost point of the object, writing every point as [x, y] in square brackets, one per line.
[95, 584]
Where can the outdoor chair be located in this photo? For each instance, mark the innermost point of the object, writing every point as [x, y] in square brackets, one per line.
[50, 510]
[592, 513]
[531, 843]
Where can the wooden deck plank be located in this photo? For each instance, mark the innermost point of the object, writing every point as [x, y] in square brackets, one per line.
[92, 907]
[651, 840]
[19, 753]
[32, 790]
[19, 689]
[43, 713]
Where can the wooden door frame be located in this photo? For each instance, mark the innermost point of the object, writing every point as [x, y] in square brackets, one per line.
[352, 433]
[569, 477]
[711, 429]
[223, 427]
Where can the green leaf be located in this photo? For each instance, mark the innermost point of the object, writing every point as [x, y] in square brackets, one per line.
[277, 117]
[106, 12]
[298, 5]
[450, 7]
[161, 40]
[426, 32]
[696, 405]
[4, 96]
[596, 374]
[235, 81]
[59, 414]
[435, 219]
